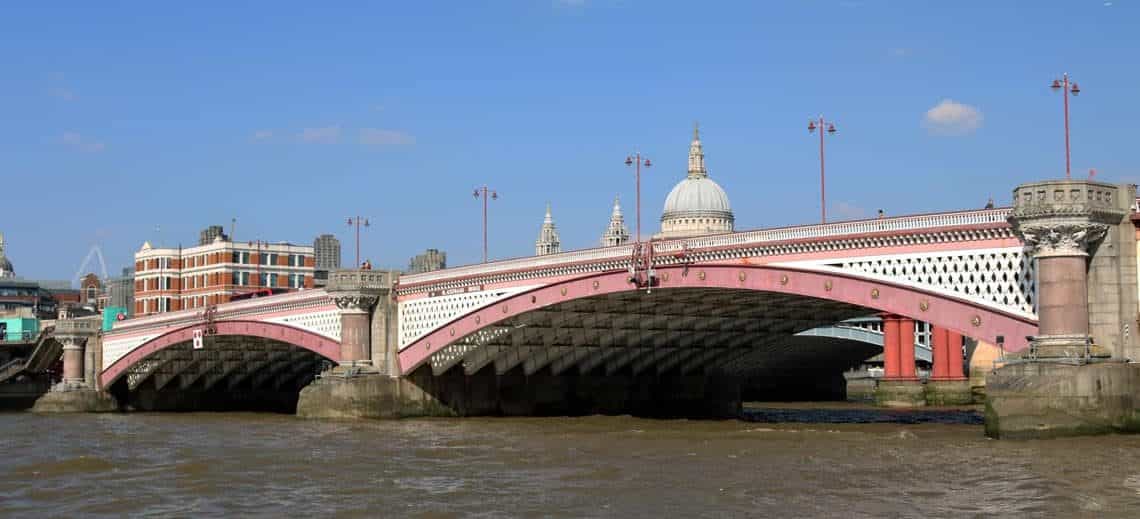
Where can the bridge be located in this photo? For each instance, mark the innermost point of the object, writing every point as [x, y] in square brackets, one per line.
[730, 303]
[660, 326]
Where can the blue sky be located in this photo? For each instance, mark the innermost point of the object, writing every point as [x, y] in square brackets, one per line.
[122, 117]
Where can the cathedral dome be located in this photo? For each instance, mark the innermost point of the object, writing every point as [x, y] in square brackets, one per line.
[697, 196]
[696, 205]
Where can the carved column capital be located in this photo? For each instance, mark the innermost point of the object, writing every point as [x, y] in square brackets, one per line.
[1061, 238]
[354, 302]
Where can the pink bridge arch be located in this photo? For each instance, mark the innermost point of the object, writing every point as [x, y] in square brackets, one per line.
[316, 343]
[969, 318]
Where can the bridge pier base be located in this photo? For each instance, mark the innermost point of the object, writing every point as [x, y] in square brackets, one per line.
[367, 396]
[1045, 400]
[78, 392]
[515, 394]
[948, 392]
[1065, 385]
[900, 393]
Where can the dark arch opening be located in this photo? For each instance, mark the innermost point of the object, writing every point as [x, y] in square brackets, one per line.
[230, 373]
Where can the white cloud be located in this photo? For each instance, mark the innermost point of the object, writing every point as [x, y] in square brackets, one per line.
[899, 52]
[62, 93]
[570, 3]
[78, 142]
[950, 117]
[262, 135]
[380, 137]
[325, 135]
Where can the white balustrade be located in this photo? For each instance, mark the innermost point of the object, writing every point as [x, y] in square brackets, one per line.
[738, 239]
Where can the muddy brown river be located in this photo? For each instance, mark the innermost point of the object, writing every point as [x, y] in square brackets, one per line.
[787, 462]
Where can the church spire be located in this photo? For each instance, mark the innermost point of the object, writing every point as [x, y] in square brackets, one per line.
[616, 232]
[697, 155]
[547, 242]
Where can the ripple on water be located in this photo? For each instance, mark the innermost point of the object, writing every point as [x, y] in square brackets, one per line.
[235, 465]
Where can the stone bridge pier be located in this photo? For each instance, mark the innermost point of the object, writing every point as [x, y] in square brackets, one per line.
[79, 389]
[1079, 375]
[366, 383]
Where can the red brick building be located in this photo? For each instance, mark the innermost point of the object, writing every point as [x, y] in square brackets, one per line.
[169, 279]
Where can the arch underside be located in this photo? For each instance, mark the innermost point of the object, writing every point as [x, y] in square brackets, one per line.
[683, 331]
[238, 358]
[227, 363]
[708, 318]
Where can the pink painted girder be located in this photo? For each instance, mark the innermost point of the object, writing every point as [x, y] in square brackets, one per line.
[954, 313]
[319, 344]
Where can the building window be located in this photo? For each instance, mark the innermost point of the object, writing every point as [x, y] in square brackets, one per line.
[296, 260]
[296, 281]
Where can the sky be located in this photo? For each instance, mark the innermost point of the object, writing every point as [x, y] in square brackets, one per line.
[124, 122]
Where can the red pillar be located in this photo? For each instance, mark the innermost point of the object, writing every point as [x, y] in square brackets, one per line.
[906, 348]
[955, 356]
[890, 346]
[940, 349]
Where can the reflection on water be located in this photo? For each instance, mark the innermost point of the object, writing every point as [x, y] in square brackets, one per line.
[860, 414]
[791, 465]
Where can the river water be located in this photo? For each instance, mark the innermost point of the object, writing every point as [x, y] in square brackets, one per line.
[788, 463]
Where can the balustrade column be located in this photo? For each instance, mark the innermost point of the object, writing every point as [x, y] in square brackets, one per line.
[72, 359]
[355, 325]
[355, 293]
[1058, 221]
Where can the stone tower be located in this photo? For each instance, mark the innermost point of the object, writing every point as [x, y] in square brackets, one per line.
[616, 233]
[547, 242]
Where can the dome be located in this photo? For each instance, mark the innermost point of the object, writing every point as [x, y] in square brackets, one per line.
[696, 205]
[695, 197]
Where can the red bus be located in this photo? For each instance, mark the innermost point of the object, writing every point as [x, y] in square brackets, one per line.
[261, 292]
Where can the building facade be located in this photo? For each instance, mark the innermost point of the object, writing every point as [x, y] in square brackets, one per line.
[26, 299]
[90, 291]
[169, 279]
[120, 291]
[327, 250]
[211, 233]
[696, 205]
[547, 242]
[431, 259]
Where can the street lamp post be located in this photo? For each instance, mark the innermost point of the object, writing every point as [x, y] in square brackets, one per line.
[487, 194]
[637, 161]
[357, 221]
[829, 128]
[1066, 88]
[256, 244]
